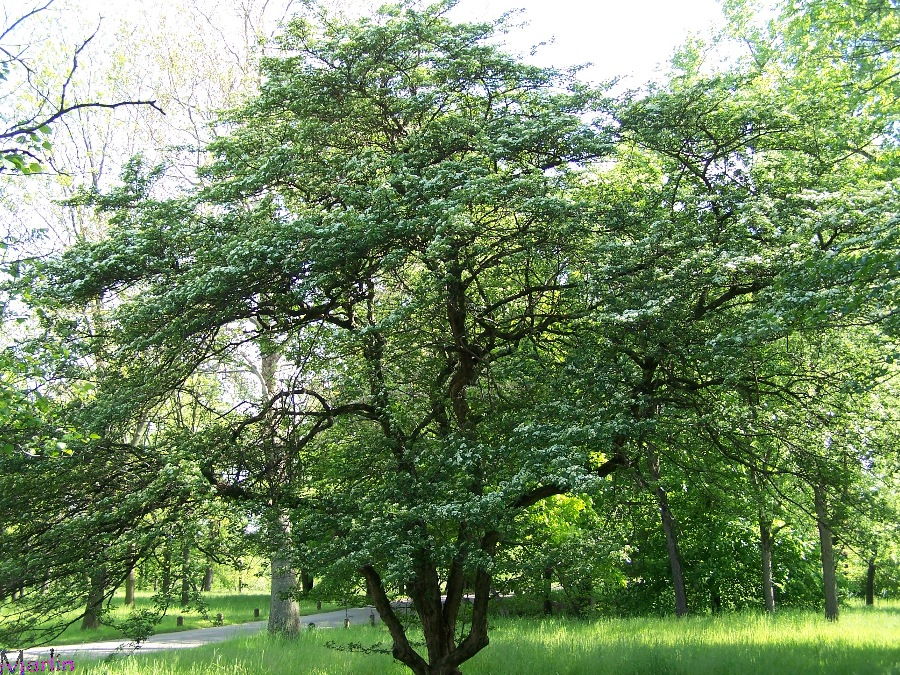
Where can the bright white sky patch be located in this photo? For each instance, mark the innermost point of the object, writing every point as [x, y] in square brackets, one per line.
[619, 37]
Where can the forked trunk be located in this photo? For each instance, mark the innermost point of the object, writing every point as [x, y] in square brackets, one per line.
[439, 618]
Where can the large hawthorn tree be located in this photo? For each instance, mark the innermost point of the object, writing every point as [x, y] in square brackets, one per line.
[397, 197]
[403, 210]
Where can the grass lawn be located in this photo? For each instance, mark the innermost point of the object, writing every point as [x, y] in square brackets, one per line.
[235, 608]
[863, 641]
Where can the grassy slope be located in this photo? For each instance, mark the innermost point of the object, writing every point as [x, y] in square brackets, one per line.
[233, 607]
[864, 641]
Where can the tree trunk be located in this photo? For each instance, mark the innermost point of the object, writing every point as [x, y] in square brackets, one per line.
[826, 546]
[668, 523]
[765, 548]
[94, 605]
[167, 568]
[715, 596]
[548, 591]
[129, 588]
[438, 618]
[670, 530]
[207, 579]
[870, 582]
[185, 572]
[284, 611]
[306, 581]
[438, 626]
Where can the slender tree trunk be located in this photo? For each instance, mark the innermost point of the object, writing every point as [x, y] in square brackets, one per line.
[668, 523]
[94, 606]
[715, 596]
[826, 546]
[129, 588]
[185, 572]
[131, 577]
[870, 581]
[207, 579]
[548, 590]
[167, 568]
[284, 611]
[670, 530]
[765, 548]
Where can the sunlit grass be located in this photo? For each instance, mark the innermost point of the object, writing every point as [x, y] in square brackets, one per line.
[863, 641]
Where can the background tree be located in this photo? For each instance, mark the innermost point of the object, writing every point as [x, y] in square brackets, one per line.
[26, 125]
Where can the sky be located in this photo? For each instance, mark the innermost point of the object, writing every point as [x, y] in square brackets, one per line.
[619, 37]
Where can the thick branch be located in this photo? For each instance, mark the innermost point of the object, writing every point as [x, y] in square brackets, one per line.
[402, 649]
[477, 639]
[35, 126]
[22, 18]
[608, 467]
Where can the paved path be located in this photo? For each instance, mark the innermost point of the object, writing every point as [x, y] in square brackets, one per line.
[187, 639]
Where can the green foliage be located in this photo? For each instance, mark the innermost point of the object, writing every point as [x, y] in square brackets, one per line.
[139, 625]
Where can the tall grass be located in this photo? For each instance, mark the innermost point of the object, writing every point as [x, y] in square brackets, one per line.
[863, 641]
